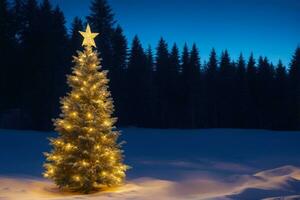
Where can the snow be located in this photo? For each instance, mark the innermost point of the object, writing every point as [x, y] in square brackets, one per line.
[208, 164]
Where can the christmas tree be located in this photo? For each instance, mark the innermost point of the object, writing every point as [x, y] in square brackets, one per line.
[86, 155]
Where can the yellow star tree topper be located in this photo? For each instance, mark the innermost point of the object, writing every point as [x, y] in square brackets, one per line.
[88, 37]
[86, 155]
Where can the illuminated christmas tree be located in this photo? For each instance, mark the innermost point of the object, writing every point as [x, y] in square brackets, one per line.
[86, 156]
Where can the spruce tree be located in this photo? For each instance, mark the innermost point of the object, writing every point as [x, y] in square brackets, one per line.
[119, 46]
[149, 89]
[137, 84]
[175, 85]
[251, 74]
[181, 99]
[31, 59]
[242, 95]
[175, 60]
[185, 58]
[226, 94]
[75, 40]
[162, 84]
[149, 57]
[264, 93]
[7, 80]
[294, 90]
[102, 20]
[191, 81]
[280, 103]
[211, 90]
[86, 155]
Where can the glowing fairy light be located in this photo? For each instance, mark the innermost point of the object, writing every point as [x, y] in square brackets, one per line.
[106, 123]
[76, 178]
[66, 107]
[69, 146]
[90, 129]
[84, 163]
[89, 115]
[68, 127]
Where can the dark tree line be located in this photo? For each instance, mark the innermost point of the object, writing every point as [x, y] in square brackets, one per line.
[162, 88]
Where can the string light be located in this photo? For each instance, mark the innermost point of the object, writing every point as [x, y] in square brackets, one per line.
[68, 127]
[104, 137]
[58, 142]
[89, 115]
[54, 157]
[84, 163]
[76, 178]
[74, 114]
[78, 73]
[69, 146]
[106, 123]
[91, 129]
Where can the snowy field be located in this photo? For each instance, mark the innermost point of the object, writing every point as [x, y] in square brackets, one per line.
[219, 164]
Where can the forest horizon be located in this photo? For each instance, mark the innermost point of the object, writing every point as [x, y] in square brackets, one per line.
[268, 28]
[165, 86]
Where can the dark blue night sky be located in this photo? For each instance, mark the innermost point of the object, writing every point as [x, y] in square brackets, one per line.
[270, 27]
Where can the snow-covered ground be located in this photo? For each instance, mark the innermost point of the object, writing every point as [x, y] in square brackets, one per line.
[169, 164]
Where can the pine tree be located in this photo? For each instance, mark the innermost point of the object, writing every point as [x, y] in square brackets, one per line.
[185, 58]
[264, 87]
[137, 84]
[211, 86]
[294, 90]
[119, 45]
[6, 56]
[251, 73]
[175, 60]
[149, 89]
[181, 99]
[226, 93]
[280, 103]
[102, 20]
[149, 57]
[191, 81]
[242, 97]
[75, 40]
[86, 155]
[59, 65]
[162, 84]
[175, 92]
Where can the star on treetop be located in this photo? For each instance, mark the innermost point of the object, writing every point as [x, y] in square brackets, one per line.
[88, 37]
